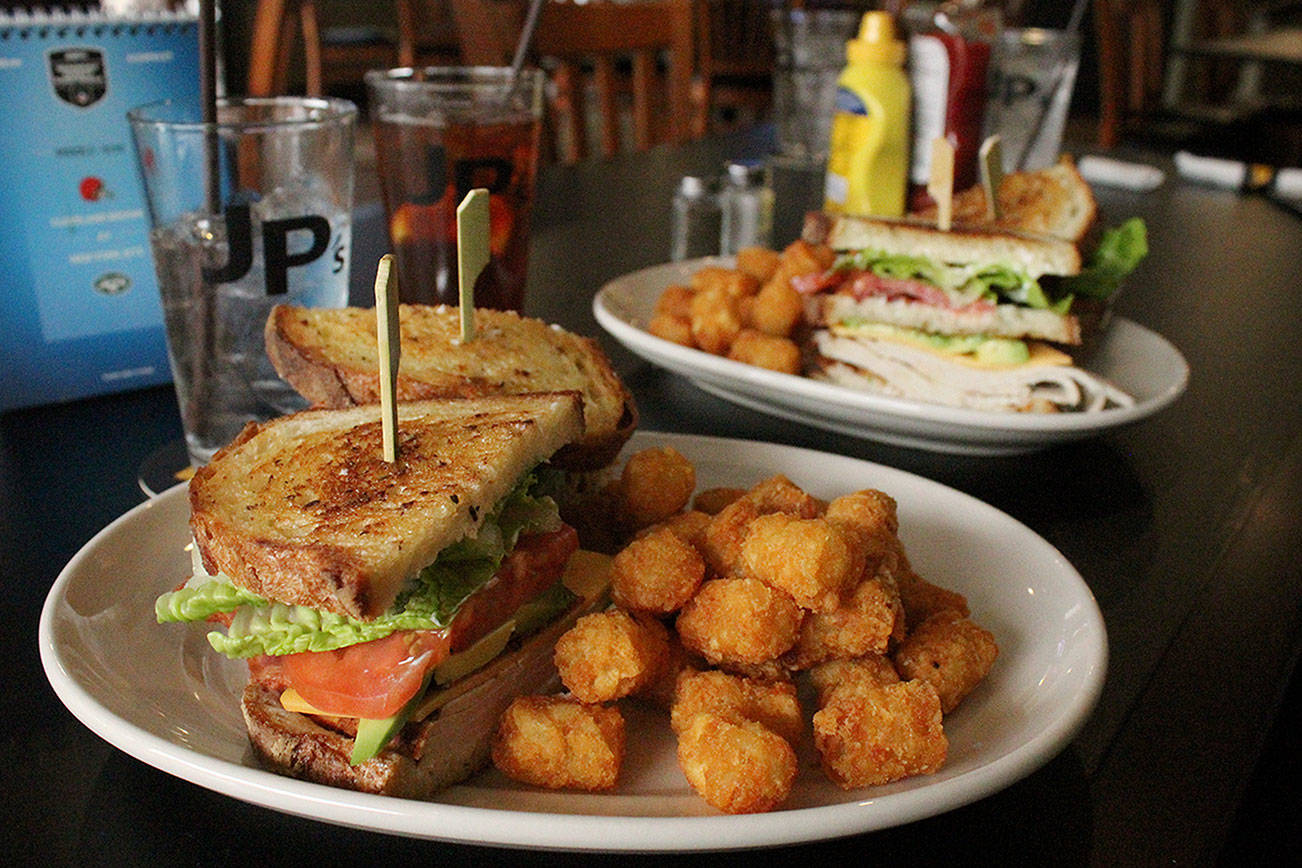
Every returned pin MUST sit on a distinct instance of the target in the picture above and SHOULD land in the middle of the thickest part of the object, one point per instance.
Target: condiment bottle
(867, 165)
(950, 47)
(747, 205)
(696, 219)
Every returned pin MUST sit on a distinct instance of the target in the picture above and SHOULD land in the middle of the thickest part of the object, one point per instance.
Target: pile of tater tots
(750, 313)
(729, 607)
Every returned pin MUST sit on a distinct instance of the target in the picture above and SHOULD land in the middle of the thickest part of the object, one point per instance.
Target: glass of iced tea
(439, 133)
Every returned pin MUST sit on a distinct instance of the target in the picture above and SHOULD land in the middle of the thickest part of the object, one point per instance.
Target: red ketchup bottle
(950, 47)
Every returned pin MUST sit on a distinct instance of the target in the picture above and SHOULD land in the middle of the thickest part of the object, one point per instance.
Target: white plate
(161, 695)
(1139, 361)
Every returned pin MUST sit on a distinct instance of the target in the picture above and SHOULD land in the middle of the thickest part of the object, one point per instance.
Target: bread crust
(304, 510)
(329, 356)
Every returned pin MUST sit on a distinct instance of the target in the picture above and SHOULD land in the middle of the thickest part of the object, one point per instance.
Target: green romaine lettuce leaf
(1120, 251)
(964, 284)
(260, 626)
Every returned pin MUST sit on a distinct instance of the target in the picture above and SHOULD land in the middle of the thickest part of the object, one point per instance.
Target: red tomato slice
(372, 679)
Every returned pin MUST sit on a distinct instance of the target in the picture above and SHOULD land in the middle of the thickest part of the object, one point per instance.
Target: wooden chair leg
(311, 26)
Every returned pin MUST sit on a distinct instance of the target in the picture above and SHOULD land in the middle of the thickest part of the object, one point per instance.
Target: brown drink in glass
(439, 133)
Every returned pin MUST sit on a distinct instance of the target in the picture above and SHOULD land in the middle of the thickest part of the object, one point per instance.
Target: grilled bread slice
(330, 357)
(1039, 255)
(304, 509)
(1054, 201)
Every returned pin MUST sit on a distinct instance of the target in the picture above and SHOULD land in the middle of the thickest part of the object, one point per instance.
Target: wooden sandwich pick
(941, 184)
(991, 157)
(472, 254)
(389, 341)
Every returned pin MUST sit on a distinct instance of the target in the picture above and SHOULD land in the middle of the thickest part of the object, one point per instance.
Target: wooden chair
(1131, 48)
(734, 59)
(634, 52)
(422, 33)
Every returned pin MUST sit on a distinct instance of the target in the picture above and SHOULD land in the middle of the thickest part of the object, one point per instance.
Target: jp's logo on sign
(275, 247)
(78, 75)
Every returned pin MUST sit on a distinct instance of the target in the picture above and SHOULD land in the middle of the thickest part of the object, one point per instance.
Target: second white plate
(1139, 361)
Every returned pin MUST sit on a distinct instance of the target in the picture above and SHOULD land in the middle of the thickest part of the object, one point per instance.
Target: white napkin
(1119, 173)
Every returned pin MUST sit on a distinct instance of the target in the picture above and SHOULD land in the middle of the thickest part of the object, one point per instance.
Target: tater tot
(679, 664)
(742, 620)
(800, 257)
(724, 534)
(778, 309)
(734, 282)
(711, 501)
(716, 320)
(811, 559)
(871, 516)
(655, 484)
(559, 743)
(950, 652)
(780, 494)
(737, 767)
(753, 347)
(851, 674)
(656, 573)
(688, 526)
(880, 734)
(676, 329)
(771, 703)
(676, 300)
(863, 623)
(608, 655)
(922, 599)
(758, 262)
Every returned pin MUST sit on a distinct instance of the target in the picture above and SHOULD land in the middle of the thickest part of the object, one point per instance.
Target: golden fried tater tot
(734, 697)
(778, 309)
(724, 534)
(800, 257)
(559, 743)
(688, 526)
(608, 655)
(880, 734)
(737, 767)
(780, 494)
(950, 652)
(655, 484)
(676, 301)
(753, 347)
(716, 320)
(711, 501)
(871, 516)
(922, 599)
(758, 262)
(863, 623)
(656, 573)
(811, 559)
(679, 664)
(677, 329)
(742, 620)
(851, 674)
(734, 282)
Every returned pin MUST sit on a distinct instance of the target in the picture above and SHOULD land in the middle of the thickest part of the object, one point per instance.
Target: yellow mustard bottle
(868, 158)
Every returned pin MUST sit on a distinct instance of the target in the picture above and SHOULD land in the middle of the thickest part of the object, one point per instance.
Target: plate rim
(982, 428)
(582, 832)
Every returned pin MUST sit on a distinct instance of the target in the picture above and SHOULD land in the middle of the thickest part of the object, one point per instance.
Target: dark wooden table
(1186, 528)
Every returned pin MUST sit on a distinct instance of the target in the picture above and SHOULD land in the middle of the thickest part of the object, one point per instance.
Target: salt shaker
(696, 219)
(747, 206)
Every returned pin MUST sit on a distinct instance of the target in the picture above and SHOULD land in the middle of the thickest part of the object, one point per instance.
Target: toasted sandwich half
(965, 317)
(388, 611)
(329, 356)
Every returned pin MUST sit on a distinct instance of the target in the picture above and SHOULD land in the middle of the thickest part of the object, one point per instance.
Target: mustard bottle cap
(876, 42)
